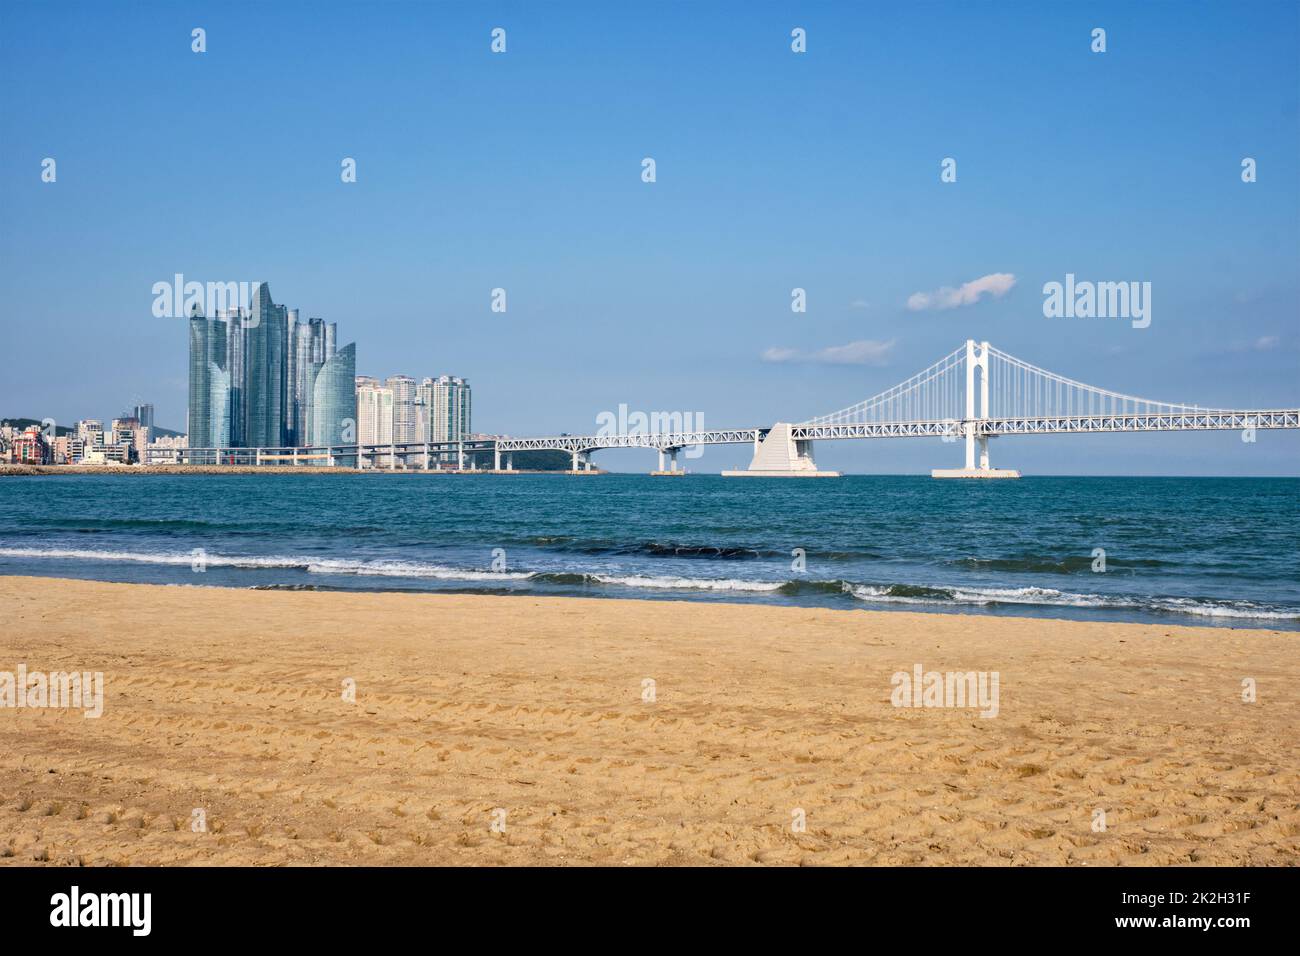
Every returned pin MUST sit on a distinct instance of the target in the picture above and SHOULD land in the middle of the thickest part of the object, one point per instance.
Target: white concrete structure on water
(781, 455)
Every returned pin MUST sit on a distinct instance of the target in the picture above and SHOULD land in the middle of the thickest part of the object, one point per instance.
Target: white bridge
(974, 393)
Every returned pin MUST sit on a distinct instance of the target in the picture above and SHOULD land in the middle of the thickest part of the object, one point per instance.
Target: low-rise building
(31, 448)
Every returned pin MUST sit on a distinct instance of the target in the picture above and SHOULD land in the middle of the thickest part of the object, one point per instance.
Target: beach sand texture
(232, 701)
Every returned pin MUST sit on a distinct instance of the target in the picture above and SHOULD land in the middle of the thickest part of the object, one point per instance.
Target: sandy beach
(521, 730)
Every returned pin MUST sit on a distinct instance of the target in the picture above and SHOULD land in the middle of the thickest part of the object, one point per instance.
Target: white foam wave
(689, 584)
(1051, 597)
(312, 565)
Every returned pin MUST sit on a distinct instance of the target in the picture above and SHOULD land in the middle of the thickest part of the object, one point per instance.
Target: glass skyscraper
(263, 379)
(334, 403)
(311, 343)
(265, 371)
(209, 411)
(144, 415)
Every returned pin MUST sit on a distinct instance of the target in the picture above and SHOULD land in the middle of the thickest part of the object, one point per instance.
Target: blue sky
(775, 170)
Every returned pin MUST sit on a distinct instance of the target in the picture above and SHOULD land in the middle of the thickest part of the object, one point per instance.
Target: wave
(686, 584)
(653, 549)
(1034, 564)
(1051, 597)
(84, 525)
(954, 596)
(673, 549)
(401, 569)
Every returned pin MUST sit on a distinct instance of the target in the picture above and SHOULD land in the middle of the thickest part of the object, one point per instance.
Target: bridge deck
(1216, 420)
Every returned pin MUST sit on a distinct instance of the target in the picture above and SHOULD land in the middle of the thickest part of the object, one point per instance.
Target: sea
(1210, 551)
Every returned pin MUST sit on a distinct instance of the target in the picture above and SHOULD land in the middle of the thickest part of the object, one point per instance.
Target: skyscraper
(290, 408)
(209, 411)
(403, 388)
(143, 413)
(374, 412)
(334, 402)
(309, 352)
(255, 379)
(448, 402)
(265, 370)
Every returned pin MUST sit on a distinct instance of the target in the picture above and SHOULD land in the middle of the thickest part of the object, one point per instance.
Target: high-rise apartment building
(374, 412)
(265, 372)
(448, 406)
(311, 349)
(144, 415)
(209, 407)
(403, 388)
(333, 418)
(254, 379)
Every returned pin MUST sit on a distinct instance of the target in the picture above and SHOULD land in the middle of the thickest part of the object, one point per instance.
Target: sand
(513, 730)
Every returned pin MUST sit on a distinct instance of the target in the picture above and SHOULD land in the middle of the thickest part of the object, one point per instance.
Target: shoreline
(229, 700)
(13, 470)
(1101, 615)
(27, 471)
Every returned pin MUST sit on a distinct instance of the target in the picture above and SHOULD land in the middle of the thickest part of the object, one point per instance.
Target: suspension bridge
(971, 395)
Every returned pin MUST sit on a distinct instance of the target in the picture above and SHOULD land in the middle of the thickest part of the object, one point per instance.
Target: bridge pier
(977, 358)
(781, 456)
(671, 471)
(582, 463)
(972, 470)
(672, 467)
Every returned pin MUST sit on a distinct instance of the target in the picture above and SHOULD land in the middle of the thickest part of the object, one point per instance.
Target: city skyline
(819, 171)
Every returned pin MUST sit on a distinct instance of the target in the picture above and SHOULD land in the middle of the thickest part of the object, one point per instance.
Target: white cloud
(861, 352)
(1266, 342)
(996, 284)
(859, 304)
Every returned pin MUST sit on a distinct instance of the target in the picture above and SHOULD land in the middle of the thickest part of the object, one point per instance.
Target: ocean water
(1215, 551)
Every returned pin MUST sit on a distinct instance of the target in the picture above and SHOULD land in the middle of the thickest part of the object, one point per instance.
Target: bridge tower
(977, 357)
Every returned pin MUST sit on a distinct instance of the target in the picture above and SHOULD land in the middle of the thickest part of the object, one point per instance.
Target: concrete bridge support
(671, 470)
(781, 456)
(977, 357)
